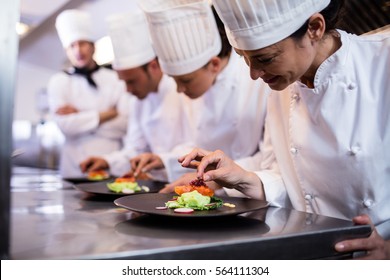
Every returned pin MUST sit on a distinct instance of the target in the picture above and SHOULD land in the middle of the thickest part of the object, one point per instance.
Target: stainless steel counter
(50, 219)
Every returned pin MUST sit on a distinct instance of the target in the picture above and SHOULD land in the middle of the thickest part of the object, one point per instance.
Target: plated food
(142, 176)
(92, 176)
(100, 188)
(98, 175)
(126, 185)
(150, 203)
(192, 197)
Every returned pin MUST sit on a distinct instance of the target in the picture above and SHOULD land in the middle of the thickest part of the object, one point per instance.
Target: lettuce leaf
(119, 187)
(195, 201)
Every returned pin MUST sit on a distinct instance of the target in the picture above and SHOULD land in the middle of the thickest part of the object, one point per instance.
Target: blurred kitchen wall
(37, 140)
(40, 51)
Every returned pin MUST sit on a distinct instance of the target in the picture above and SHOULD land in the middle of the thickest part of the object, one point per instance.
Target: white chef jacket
(156, 126)
(332, 142)
(84, 137)
(229, 116)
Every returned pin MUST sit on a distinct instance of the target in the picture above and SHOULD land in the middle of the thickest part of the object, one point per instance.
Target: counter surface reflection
(50, 219)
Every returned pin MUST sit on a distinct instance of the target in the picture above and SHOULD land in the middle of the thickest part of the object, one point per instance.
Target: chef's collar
(87, 73)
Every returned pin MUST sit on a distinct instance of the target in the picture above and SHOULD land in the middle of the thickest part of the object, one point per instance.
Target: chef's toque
(255, 24)
(130, 40)
(74, 25)
(184, 34)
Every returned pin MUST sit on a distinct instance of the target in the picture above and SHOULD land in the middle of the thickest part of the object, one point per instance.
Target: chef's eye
(246, 60)
(185, 81)
(239, 54)
(266, 60)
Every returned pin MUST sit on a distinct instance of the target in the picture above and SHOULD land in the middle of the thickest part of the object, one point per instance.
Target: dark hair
(332, 15)
(145, 67)
(226, 47)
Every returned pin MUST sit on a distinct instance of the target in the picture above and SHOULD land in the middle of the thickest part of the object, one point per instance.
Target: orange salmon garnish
(98, 174)
(183, 189)
(204, 190)
(125, 180)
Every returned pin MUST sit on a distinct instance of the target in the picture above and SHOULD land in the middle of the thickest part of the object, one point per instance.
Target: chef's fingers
(98, 164)
(65, 110)
(374, 246)
(209, 162)
(128, 174)
(85, 164)
(136, 165)
(93, 164)
(185, 179)
(192, 165)
(133, 163)
(196, 154)
(142, 161)
(154, 162)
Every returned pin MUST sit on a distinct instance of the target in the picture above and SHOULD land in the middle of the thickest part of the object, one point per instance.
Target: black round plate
(147, 203)
(101, 188)
(80, 180)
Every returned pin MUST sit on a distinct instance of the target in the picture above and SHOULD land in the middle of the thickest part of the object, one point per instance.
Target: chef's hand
(184, 180)
(217, 166)
(145, 162)
(93, 164)
(375, 246)
(66, 110)
(140, 176)
(107, 115)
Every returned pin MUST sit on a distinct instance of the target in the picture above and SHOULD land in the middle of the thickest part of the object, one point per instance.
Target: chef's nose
(256, 72)
(180, 87)
(129, 88)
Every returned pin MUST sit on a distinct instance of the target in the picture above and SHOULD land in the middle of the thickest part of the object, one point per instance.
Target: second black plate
(102, 189)
(79, 180)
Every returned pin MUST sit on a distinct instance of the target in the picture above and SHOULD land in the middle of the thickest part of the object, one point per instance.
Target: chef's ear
(316, 27)
(153, 65)
(215, 64)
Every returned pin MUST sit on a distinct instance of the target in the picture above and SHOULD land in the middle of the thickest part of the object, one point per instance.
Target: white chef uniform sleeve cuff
(274, 189)
(118, 162)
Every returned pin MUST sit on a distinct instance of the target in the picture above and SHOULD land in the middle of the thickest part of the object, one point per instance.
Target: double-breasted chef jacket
(84, 137)
(331, 143)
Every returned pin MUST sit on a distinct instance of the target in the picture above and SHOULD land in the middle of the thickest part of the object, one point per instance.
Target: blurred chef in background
(156, 119)
(88, 102)
(228, 108)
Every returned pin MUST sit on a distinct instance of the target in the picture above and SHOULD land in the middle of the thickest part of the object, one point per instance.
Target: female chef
(328, 120)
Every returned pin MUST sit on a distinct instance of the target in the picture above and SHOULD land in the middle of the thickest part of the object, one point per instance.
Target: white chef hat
(255, 24)
(130, 39)
(184, 34)
(74, 25)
